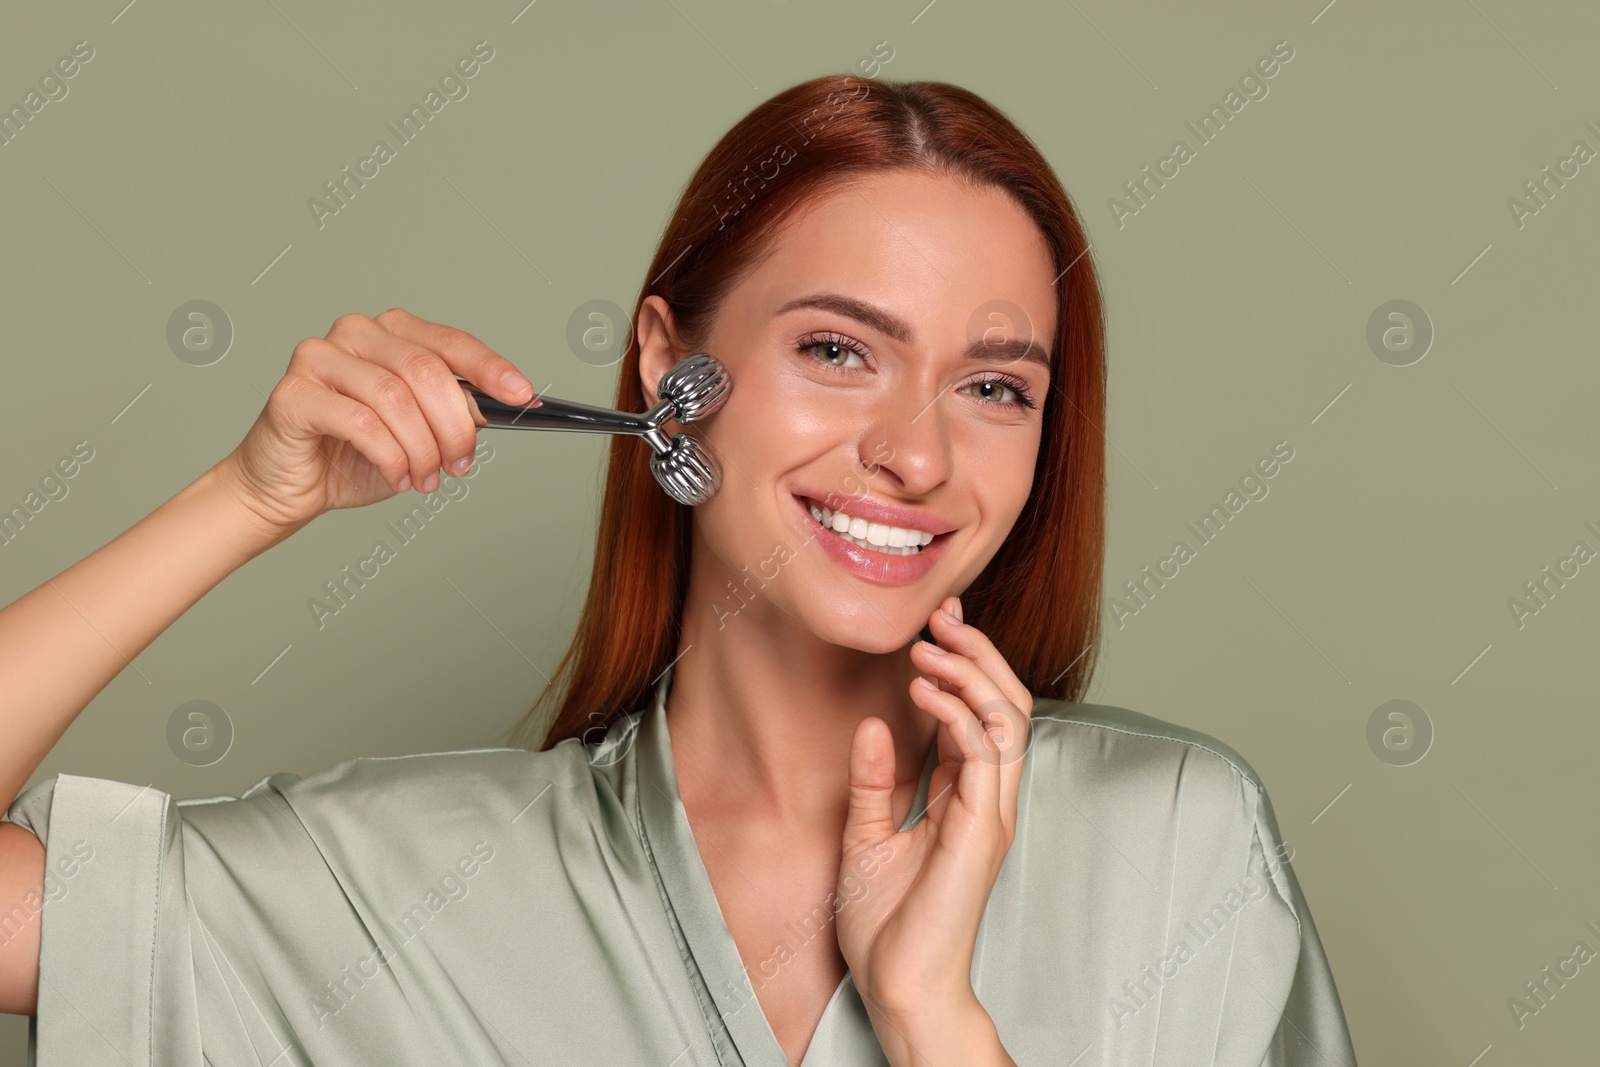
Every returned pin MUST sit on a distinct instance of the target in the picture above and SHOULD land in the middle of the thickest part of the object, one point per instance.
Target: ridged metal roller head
(688, 473)
(696, 387)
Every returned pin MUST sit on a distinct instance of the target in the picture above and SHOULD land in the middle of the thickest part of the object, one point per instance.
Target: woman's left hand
(908, 938)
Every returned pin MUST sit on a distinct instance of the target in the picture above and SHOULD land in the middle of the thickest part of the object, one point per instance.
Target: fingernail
(931, 647)
(431, 482)
(515, 383)
(957, 612)
(405, 483)
(460, 466)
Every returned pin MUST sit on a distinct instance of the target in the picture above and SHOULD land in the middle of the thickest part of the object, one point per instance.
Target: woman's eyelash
(833, 339)
(1017, 385)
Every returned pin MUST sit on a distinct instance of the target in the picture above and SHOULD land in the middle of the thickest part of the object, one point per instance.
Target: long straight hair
(1039, 598)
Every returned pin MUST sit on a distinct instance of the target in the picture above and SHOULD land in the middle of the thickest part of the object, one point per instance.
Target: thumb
(870, 818)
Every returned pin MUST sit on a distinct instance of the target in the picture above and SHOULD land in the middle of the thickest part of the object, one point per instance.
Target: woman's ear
(659, 346)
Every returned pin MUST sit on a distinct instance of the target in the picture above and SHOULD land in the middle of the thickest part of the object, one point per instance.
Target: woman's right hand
(368, 411)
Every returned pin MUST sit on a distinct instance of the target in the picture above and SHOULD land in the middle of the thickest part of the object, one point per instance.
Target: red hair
(1039, 599)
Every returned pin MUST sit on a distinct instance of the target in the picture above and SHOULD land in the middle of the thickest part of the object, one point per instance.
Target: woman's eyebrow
(884, 322)
(891, 325)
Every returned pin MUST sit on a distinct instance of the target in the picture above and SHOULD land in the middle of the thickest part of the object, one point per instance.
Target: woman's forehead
(928, 245)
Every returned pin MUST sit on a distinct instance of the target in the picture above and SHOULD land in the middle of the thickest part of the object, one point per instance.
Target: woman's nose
(908, 438)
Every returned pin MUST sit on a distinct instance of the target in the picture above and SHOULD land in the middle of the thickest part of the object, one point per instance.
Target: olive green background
(1379, 567)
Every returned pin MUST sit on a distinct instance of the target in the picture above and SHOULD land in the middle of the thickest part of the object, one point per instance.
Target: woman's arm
(63, 642)
(371, 410)
(21, 891)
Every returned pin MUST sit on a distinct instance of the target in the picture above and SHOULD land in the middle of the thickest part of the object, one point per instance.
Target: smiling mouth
(871, 536)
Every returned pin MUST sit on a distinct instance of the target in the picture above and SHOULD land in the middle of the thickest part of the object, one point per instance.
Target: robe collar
(734, 1016)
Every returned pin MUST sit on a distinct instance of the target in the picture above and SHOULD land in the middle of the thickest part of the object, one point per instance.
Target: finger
(391, 398)
(979, 776)
(1000, 727)
(314, 409)
(467, 356)
(974, 643)
(431, 386)
(870, 818)
(998, 723)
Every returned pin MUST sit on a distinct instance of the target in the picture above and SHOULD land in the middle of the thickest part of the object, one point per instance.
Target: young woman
(766, 824)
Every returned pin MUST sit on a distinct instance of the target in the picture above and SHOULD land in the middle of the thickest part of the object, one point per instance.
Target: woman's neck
(761, 714)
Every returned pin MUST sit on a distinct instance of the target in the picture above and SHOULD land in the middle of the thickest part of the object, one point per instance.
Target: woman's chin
(876, 635)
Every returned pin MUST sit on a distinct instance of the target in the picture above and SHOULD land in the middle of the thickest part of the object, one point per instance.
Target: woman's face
(857, 354)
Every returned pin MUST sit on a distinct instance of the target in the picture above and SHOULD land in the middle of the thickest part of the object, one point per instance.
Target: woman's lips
(876, 567)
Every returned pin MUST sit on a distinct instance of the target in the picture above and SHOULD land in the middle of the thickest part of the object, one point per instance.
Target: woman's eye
(995, 390)
(992, 391)
(836, 350)
(835, 353)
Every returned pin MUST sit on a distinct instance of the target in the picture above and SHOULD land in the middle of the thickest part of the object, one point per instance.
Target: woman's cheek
(815, 413)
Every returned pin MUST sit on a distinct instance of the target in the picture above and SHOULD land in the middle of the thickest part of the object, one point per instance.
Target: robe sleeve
(195, 932)
(116, 975)
(1281, 1007)
(289, 925)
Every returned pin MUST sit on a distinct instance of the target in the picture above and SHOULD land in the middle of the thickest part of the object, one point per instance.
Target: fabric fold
(114, 951)
(501, 907)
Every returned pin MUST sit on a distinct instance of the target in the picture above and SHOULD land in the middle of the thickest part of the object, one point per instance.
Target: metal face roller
(693, 389)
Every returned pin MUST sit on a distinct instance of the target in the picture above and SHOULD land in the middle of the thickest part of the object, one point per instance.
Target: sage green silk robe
(505, 907)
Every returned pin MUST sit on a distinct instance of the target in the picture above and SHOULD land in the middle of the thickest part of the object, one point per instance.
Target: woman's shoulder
(424, 771)
(1155, 788)
(1106, 743)
(448, 780)
(361, 792)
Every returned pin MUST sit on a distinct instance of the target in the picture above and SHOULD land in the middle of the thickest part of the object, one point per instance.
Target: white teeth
(877, 536)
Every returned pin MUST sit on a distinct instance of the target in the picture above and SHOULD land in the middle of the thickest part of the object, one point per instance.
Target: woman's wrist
(961, 1034)
(223, 490)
